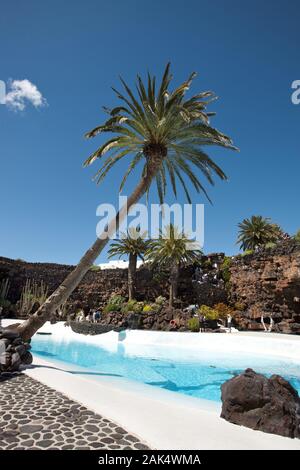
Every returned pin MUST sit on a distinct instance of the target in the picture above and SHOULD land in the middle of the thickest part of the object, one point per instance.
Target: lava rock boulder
(266, 404)
(13, 351)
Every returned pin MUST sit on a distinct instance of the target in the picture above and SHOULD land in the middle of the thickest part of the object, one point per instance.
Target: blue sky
(247, 52)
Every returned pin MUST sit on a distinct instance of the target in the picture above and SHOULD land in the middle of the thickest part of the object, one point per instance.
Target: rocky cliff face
(96, 287)
(268, 283)
(265, 283)
(265, 404)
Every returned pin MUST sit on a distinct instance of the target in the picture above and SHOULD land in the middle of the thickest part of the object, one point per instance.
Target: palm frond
(172, 246)
(257, 232)
(134, 242)
(161, 124)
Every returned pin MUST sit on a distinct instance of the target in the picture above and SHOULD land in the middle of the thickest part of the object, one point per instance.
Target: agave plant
(173, 249)
(133, 244)
(165, 132)
(257, 232)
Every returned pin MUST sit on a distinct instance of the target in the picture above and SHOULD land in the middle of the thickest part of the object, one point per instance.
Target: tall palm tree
(256, 232)
(172, 250)
(133, 245)
(161, 129)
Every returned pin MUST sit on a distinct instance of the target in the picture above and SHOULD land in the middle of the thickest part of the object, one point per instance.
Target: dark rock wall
(96, 287)
(165, 320)
(268, 283)
(18, 271)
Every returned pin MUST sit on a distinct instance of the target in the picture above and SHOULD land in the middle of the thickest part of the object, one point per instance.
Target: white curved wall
(189, 345)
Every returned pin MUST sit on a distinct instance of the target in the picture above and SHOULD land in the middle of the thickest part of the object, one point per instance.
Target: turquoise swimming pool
(199, 377)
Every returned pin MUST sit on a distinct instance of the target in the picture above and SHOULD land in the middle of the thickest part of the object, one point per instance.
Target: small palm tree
(133, 245)
(279, 233)
(165, 132)
(257, 232)
(297, 236)
(172, 250)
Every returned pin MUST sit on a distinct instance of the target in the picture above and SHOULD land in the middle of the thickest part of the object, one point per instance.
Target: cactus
(4, 288)
(33, 292)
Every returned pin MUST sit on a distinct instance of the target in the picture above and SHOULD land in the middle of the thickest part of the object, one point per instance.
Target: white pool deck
(161, 418)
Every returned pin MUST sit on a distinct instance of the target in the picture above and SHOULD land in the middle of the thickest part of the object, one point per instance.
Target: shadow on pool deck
(74, 372)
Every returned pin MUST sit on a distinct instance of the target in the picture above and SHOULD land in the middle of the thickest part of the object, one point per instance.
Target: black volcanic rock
(13, 351)
(270, 405)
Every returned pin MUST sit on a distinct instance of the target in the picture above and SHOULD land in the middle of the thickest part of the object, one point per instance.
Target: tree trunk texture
(132, 276)
(174, 275)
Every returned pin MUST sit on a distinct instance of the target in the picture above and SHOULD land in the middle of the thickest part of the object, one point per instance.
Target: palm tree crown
(257, 232)
(132, 243)
(172, 247)
(161, 128)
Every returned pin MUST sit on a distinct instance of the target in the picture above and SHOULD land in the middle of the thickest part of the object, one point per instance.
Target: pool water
(200, 377)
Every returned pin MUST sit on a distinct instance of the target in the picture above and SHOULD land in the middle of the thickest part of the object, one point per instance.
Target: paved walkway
(34, 416)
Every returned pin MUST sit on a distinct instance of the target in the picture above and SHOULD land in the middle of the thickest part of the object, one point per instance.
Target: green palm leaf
(163, 126)
(132, 243)
(172, 247)
(257, 232)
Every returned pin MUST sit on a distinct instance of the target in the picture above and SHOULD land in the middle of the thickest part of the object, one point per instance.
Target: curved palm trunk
(61, 294)
(174, 276)
(132, 276)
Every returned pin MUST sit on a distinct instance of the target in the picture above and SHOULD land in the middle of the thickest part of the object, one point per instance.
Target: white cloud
(23, 92)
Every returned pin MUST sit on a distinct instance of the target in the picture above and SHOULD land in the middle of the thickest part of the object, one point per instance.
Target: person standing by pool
(201, 323)
(229, 321)
(80, 315)
(96, 316)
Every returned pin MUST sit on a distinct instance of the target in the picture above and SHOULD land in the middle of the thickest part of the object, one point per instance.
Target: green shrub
(240, 306)
(95, 268)
(194, 324)
(138, 308)
(225, 269)
(270, 245)
(207, 264)
(297, 236)
(247, 252)
(132, 306)
(115, 304)
(147, 308)
(110, 308)
(117, 300)
(129, 306)
(223, 310)
(160, 300)
(209, 313)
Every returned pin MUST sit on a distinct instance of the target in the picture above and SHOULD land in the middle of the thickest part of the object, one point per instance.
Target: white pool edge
(266, 344)
(160, 418)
